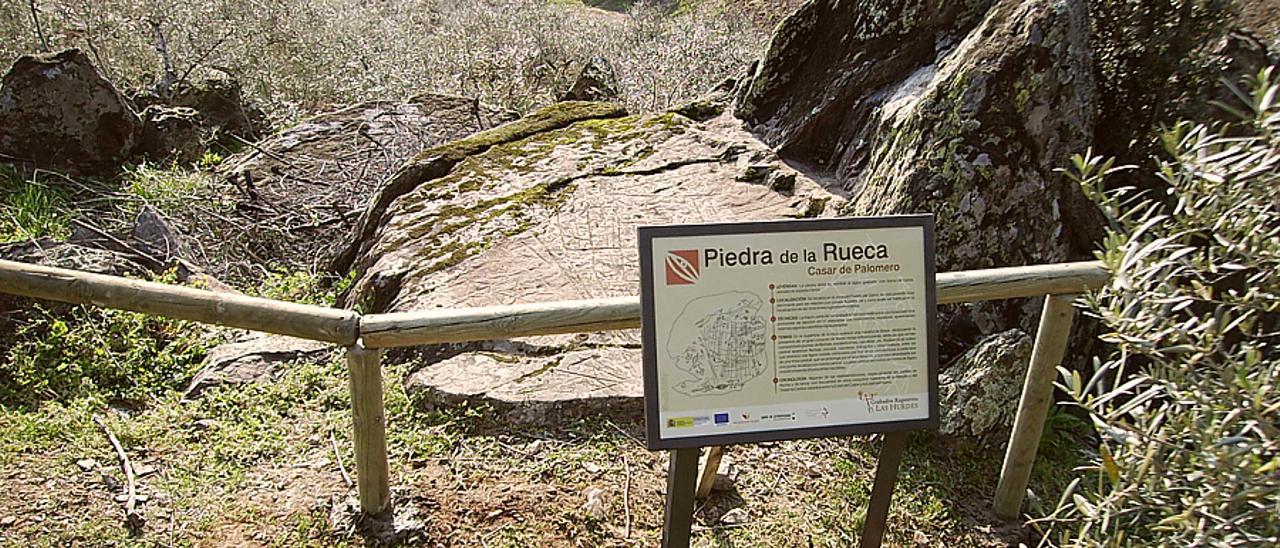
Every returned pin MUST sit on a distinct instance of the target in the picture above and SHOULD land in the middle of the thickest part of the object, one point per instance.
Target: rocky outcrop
(58, 112)
(962, 109)
(980, 390)
(305, 188)
(545, 209)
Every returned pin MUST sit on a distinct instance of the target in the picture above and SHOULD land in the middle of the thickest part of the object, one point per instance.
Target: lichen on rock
(963, 110)
(58, 112)
(980, 390)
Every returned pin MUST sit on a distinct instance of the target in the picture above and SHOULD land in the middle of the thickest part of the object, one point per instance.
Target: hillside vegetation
(300, 56)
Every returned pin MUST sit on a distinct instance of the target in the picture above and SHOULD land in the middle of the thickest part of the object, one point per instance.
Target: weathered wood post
(364, 368)
(1037, 396)
(707, 477)
(682, 478)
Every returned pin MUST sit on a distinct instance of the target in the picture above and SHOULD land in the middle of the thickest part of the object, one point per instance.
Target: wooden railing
(365, 336)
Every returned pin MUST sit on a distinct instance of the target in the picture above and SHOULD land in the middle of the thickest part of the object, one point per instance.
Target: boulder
(979, 391)
(58, 112)
(545, 209)
(256, 359)
(962, 109)
(172, 134)
(596, 82)
(221, 107)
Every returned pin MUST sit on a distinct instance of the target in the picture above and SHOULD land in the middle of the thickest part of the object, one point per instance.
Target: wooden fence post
(1037, 396)
(364, 368)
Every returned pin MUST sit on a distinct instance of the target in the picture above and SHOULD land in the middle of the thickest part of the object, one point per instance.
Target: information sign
(779, 330)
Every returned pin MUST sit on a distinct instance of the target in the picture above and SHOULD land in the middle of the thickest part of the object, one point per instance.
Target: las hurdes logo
(682, 267)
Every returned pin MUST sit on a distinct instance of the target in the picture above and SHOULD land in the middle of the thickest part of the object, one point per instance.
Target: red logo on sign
(682, 267)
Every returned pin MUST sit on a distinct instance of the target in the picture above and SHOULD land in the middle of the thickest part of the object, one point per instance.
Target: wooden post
(1037, 396)
(707, 479)
(682, 477)
(364, 367)
(891, 450)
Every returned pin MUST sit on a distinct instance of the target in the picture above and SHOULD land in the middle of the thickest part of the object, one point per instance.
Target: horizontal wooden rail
(524, 320)
(498, 322)
(184, 303)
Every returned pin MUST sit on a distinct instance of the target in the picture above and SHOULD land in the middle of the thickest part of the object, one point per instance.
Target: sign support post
(891, 450)
(682, 477)
(770, 331)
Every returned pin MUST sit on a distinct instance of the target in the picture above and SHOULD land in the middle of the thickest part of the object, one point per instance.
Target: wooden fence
(364, 337)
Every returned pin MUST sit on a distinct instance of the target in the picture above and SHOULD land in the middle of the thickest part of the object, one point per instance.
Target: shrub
(120, 357)
(1187, 406)
(297, 56)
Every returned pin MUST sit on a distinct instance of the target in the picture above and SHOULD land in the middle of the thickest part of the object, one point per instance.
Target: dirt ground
(474, 481)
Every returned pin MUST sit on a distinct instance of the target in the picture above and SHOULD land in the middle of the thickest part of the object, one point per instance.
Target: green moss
(546, 119)
(444, 249)
(814, 208)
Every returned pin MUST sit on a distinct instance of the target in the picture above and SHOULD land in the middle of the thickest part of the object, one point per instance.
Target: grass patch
(30, 208)
(163, 187)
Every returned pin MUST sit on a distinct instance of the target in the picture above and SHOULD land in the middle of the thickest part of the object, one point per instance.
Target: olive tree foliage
(1187, 407)
(298, 56)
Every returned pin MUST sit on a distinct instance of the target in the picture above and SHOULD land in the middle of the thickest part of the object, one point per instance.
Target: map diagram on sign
(719, 340)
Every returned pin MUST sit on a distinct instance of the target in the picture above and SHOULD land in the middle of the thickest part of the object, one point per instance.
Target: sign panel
(789, 329)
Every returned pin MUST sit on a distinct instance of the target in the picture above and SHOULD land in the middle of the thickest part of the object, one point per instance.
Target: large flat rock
(552, 215)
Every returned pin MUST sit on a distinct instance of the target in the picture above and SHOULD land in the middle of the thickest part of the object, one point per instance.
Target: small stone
(7, 521)
(204, 424)
(87, 465)
(143, 470)
(595, 506)
(591, 467)
(736, 516)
